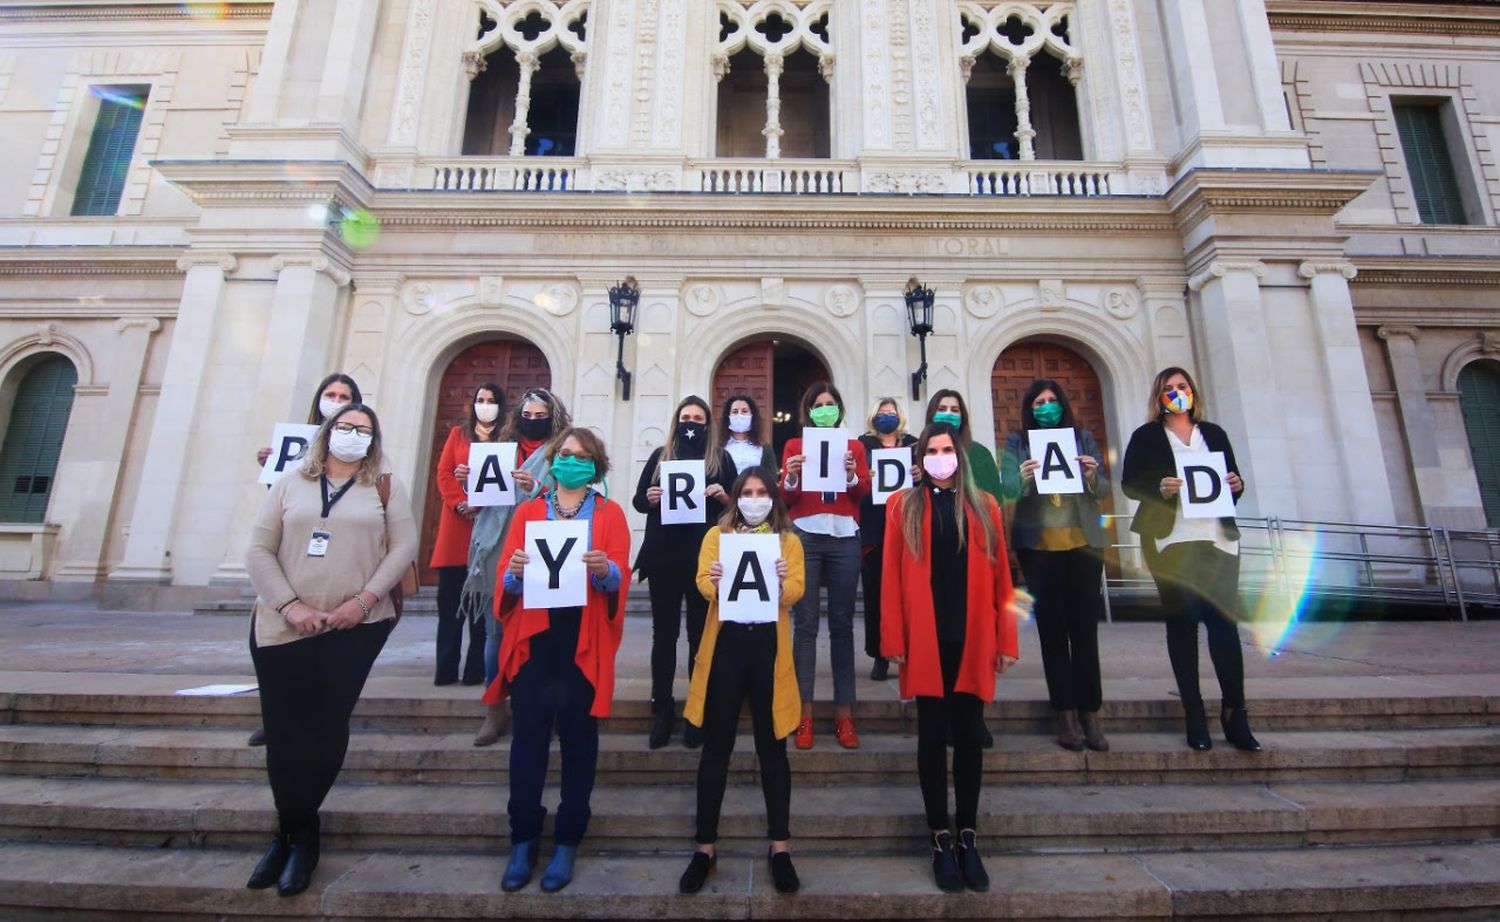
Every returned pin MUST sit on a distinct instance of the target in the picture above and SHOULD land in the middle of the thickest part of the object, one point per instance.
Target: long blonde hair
(711, 452)
(971, 499)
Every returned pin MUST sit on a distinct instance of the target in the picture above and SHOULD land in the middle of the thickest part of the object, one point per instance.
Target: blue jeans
(492, 634)
(834, 562)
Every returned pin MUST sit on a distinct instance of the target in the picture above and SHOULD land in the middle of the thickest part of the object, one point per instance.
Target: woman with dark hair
(557, 665)
(828, 525)
(884, 428)
(948, 406)
(450, 552)
(1195, 562)
(1060, 542)
(744, 434)
(738, 661)
(669, 553)
(948, 620)
(328, 545)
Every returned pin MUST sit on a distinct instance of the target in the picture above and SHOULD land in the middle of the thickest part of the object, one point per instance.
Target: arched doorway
(775, 372)
(513, 364)
(34, 436)
(1479, 397)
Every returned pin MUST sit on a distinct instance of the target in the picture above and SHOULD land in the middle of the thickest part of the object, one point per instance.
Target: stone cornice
(1468, 273)
(236, 182)
(1205, 192)
(43, 262)
(1447, 19)
(153, 10)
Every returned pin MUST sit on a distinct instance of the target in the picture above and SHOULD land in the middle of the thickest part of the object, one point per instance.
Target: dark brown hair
(591, 443)
(757, 431)
(964, 429)
(1157, 411)
(315, 415)
(780, 519)
(1028, 419)
(471, 427)
(816, 390)
(970, 498)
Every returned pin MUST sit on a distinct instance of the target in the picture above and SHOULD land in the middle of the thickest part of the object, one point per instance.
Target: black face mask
(692, 440)
(536, 429)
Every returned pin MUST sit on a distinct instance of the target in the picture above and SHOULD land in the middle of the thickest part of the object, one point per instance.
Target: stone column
(1417, 422)
(518, 127)
(147, 552)
(772, 131)
(345, 70)
(265, 97)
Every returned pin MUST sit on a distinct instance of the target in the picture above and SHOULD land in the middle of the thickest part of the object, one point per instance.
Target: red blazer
(603, 616)
(908, 625)
(801, 504)
(451, 549)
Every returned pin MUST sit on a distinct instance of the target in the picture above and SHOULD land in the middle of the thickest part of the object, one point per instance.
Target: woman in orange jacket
(947, 620)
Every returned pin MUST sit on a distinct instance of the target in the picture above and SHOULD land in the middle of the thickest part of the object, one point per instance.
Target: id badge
(317, 546)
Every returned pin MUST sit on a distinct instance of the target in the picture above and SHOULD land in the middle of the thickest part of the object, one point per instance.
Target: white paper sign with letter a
(1205, 486)
(682, 501)
(823, 467)
(749, 590)
(490, 464)
(555, 576)
(1057, 450)
(288, 446)
(890, 473)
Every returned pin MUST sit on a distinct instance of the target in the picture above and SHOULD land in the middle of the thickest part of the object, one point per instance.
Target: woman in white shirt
(744, 435)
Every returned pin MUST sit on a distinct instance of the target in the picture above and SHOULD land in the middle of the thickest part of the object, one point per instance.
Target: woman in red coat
(948, 621)
(450, 553)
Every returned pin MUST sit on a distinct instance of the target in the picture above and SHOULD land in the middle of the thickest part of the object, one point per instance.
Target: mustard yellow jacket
(786, 701)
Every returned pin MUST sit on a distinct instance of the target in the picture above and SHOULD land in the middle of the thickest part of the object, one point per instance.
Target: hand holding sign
(555, 575)
(682, 500)
(1056, 450)
(749, 589)
(890, 472)
(1205, 487)
(824, 470)
(288, 445)
(489, 484)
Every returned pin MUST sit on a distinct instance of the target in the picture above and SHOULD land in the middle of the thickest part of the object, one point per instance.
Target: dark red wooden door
(746, 370)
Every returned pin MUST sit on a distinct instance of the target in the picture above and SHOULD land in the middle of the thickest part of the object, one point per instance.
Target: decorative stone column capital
(1489, 343)
(1220, 268)
(225, 262)
(474, 63)
(149, 324)
(775, 64)
(1313, 267)
(825, 65)
(1393, 331)
(720, 62)
(315, 262)
(1017, 66)
(966, 66)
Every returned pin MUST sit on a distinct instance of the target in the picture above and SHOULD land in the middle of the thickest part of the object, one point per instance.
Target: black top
(871, 516)
(950, 570)
(675, 547)
(1149, 458)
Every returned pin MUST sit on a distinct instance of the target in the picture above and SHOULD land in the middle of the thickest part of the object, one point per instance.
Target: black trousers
(308, 689)
(744, 666)
(869, 574)
(669, 587)
(964, 713)
(1065, 589)
(1198, 582)
(450, 632)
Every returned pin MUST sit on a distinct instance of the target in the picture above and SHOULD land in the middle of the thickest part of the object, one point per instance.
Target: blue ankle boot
(560, 872)
(522, 863)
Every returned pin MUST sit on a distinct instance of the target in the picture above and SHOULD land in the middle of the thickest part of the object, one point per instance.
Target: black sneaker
(698, 869)
(783, 875)
(945, 864)
(967, 851)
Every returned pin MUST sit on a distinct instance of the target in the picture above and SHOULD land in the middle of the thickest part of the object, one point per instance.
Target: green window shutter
(1479, 396)
(1429, 164)
(33, 440)
(111, 146)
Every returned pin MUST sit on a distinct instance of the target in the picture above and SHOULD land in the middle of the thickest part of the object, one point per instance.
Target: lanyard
(330, 501)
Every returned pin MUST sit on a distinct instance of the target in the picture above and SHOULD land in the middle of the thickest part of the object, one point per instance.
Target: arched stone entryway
(774, 371)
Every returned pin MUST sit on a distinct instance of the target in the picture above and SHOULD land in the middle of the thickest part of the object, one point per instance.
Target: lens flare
(116, 95)
(1279, 609)
(359, 228)
(206, 10)
(1022, 603)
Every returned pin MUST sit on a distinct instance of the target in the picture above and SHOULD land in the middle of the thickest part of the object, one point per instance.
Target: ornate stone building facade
(428, 193)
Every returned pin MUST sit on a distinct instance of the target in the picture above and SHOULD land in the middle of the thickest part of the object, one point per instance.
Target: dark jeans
(834, 562)
(669, 587)
(964, 713)
(451, 628)
(1065, 587)
(870, 566)
(308, 689)
(744, 666)
(1198, 582)
(551, 690)
(493, 634)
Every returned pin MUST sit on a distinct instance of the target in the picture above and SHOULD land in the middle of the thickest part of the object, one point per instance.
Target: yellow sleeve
(708, 552)
(796, 574)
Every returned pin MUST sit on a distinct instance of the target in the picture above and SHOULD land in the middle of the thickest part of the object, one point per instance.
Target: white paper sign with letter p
(823, 467)
(490, 464)
(682, 500)
(890, 472)
(555, 576)
(1205, 486)
(288, 446)
(1057, 450)
(749, 591)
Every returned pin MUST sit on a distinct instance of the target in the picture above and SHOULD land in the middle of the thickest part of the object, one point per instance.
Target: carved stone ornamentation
(984, 301)
(1120, 303)
(419, 298)
(703, 299)
(1489, 343)
(1050, 293)
(906, 182)
(773, 293)
(841, 300)
(491, 290)
(558, 300)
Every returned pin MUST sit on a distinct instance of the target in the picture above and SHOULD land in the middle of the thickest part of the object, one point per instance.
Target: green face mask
(825, 417)
(572, 473)
(1048, 414)
(952, 419)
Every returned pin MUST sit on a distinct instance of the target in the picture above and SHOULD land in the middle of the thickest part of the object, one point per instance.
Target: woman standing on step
(670, 552)
(1060, 541)
(557, 665)
(329, 544)
(739, 660)
(948, 620)
(1195, 562)
(884, 428)
(744, 434)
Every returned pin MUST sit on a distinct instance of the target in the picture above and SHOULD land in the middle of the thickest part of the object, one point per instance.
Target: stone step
(1413, 882)
(1135, 758)
(861, 819)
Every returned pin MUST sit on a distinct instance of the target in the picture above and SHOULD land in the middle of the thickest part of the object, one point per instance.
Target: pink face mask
(940, 467)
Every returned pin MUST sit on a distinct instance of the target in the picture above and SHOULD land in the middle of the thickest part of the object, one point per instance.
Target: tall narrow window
(742, 107)
(524, 100)
(33, 439)
(773, 70)
(111, 145)
(1021, 75)
(991, 96)
(1479, 396)
(1429, 162)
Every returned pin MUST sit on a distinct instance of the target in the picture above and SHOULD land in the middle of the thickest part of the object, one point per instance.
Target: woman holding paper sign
(669, 554)
(947, 406)
(744, 434)
(450, 552)
(1195, 561)
(738, 660)
(949, 621)
(885, 428)
(1060, 542)
(557, 665)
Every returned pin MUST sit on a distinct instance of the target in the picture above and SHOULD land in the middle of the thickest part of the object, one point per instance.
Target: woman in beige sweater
(325, 552)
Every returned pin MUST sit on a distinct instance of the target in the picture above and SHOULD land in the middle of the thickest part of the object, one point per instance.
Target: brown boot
(1093, 734)
(496, 724)
(1069, 734)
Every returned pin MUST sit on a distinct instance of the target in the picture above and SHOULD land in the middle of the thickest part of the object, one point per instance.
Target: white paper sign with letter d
(1057, 450)
(682, 501)
(823, 469)
(890, 472)
(490, 464)
(1205, 486)
(288, 445)
(749, 591)
(555, 576)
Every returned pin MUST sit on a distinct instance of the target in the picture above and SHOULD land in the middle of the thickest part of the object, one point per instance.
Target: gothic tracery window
(526, 68)
(1021, 71)
(773, 64)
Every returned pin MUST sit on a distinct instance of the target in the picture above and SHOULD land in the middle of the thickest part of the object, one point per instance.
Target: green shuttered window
(1479, 395)
(1429, 163)
(33, 439)
(111, 146)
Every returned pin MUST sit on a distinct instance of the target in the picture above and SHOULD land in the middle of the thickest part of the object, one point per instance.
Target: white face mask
(754, 509)
(329, 407)
(487, 412)
(740, 423)
(349, 446)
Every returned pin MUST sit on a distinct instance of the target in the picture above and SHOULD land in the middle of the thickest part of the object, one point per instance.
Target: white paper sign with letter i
(288, 446)
(823, 451)
(682, 501)
(1057, 450)
(1205, 486)
(490, 464)
(890, 473)
(749, 590)
(555, 576)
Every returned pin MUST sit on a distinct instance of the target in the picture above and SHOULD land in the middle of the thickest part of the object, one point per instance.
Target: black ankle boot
(1236, 724)
(661, 724)
(301, 861)
(692, 737)
(1197, 726)
(967, 852)
(271, 864)
(945, 864)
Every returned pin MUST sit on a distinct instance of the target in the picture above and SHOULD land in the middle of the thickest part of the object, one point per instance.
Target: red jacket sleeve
(455, 452)
(792, 450)
(505, 603)
(614, 538)
(893, 625)
(861, 487)
(1006, 641)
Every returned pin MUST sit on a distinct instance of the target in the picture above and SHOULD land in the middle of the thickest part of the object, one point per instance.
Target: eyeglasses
(346, 428)
(568, 454)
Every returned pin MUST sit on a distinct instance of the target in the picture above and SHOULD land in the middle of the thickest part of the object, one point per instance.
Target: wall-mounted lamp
(623, 299)
(919, 312)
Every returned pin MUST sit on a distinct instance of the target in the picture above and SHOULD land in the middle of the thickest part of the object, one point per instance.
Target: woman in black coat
(1195, 562)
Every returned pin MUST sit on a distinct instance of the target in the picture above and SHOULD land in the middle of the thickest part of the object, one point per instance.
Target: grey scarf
(490, 526)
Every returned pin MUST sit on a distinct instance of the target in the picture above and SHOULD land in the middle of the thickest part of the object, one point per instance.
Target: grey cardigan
(1025, 529)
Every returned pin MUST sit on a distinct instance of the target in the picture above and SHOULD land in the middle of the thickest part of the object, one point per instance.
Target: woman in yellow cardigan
(754, 661)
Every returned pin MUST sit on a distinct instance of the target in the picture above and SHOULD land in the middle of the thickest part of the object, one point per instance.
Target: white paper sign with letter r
(682, 501)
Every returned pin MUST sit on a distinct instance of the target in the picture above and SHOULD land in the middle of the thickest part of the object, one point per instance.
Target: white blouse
(1184, 530)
